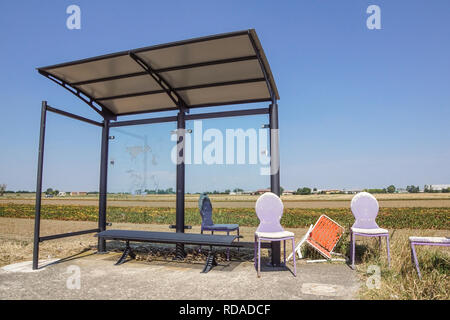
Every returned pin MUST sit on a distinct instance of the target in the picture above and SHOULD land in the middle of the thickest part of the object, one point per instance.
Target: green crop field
(393, 218)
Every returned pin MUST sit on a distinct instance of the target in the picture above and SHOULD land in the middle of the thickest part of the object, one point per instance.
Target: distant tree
(446, 190)
(304, 191)
(227, 191)
(375, 190)
(412, 189)
(49, 191)
(315, 189)
(238, 190)
(2, 189)
(390, 189)
(281, 190)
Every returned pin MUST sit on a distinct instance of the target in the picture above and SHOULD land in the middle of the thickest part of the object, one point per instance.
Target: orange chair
(323, 237)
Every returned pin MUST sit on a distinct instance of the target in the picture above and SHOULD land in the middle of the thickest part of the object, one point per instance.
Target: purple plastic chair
(425, 241)
(269, 210)
(365, 209)
(208, 224)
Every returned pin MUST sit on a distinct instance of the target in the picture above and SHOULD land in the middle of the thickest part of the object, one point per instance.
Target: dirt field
(430, 200)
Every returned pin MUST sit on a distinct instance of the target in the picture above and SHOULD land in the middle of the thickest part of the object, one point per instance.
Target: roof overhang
(216, 70)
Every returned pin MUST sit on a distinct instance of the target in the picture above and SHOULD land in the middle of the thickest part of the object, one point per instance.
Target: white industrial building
(438, 187)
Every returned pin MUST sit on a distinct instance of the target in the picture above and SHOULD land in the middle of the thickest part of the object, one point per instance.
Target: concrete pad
(94, 276)
(27, 266)
(323, 289)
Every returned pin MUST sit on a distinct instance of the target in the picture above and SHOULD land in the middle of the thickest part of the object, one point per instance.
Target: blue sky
(359, 107)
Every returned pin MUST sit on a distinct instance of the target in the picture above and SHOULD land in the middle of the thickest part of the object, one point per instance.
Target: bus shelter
(217, 70)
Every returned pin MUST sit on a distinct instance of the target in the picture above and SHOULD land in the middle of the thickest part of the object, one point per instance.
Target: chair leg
(259, 258)
(388, 251)
(352, 240)
(284, 251)
(254, 252)
(293, 250)
(238, 238)
(200, 247)
(350, 249)
(414, 259)
(228, 249)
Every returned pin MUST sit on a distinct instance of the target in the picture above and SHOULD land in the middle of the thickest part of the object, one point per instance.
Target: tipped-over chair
(323, 237)
(269, 210)
(205, 207)
(365, 209)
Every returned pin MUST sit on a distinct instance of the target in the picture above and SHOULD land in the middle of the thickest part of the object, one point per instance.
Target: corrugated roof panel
(214, 70)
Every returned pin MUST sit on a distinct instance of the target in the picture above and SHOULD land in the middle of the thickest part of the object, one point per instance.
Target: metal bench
(169, 237)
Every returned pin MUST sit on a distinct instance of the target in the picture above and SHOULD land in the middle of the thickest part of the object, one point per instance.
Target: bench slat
(167, 237)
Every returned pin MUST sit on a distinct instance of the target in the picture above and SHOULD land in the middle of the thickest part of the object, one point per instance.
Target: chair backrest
(205, 208)
(365, 209)
(269, 210)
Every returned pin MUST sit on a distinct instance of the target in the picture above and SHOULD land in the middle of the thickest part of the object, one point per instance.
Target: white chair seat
(370, 231)
(430, 239)
(274, 235)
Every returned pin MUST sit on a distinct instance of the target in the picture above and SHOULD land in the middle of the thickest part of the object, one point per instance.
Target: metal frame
(257, 252)
(161, 70)
(104, 112)
(37, 221)
(414, 243)
(168, 89)
(369, 235)
(181, 119)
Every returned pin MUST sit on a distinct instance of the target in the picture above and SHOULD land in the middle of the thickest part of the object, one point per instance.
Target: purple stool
(365, 209)
(269, 210)
(426, 241)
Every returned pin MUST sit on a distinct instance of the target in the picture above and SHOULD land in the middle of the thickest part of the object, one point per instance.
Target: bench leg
(127, 252)
(210, 261)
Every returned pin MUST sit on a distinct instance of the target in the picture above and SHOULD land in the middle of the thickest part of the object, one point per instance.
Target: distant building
(438, 187)
(61, 194)
(332, 191)
(352, 191)
(261, 191)
(78, 193)
(288, 192)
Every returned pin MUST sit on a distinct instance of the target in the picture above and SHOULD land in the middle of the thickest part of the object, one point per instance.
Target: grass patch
(400, 281)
